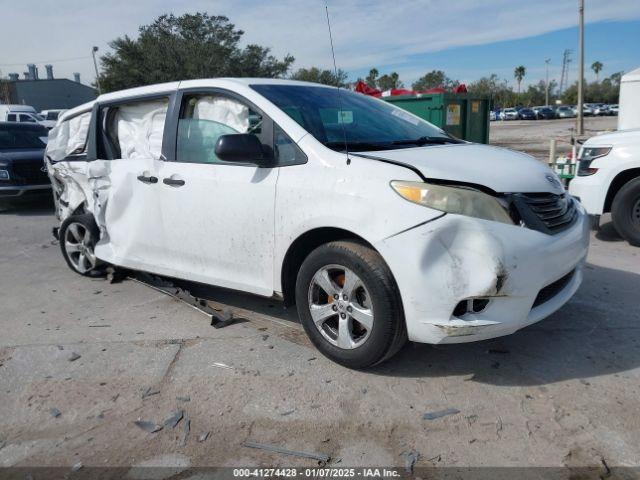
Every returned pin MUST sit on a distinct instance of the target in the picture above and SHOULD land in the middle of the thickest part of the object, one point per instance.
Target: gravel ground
(533, 136)
(563, 392)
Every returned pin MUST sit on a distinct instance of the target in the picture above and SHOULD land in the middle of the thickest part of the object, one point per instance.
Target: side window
(285, 150)
(204, 118)
(69, 137)
(11, 117)
(27, 118)
(134, 130)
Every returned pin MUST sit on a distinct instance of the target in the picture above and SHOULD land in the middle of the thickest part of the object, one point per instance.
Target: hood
(8, 157)
(501, 170)
(619, 137)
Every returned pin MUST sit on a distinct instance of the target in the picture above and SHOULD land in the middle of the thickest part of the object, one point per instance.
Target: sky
(467, 39)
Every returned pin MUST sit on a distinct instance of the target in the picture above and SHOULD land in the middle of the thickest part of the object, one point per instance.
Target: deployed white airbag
(139, 128)
(223, 110)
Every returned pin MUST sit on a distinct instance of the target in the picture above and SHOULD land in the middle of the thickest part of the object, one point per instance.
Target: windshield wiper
(358, 146)
(427, 141)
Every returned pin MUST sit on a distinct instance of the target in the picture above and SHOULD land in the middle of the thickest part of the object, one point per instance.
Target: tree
(501, 93)
(597, 68)
(372, 78)
(387, 82)
(190, 46)
(519, 73)
(433, 79)
(326, 77)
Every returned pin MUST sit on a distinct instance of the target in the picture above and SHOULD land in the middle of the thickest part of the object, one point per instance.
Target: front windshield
(367, 123)
(21, 138)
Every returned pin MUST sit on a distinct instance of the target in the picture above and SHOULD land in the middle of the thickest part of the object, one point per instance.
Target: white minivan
(378, 225)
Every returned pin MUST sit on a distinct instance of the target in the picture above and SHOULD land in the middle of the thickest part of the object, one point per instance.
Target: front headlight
(459, 200)
(591, 153)
(4, 175)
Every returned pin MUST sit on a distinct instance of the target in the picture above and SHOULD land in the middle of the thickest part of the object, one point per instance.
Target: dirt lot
(563, 392)
(532, 136)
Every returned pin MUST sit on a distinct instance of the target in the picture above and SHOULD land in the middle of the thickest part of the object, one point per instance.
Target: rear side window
(135, 130)
(69, 137)
(20, 138)
(11, 117)
(204, 118)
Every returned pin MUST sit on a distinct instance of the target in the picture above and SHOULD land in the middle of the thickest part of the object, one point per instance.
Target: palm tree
(519, 74)
(597, 67)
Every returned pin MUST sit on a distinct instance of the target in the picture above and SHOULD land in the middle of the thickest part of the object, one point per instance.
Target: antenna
(335, 71)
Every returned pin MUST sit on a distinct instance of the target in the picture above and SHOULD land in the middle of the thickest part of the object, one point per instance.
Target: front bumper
(454, 258)
(17, 192)
(591, 190)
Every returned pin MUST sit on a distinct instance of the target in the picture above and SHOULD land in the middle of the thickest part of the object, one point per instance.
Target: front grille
(29, 173)
(551, 290)
(546, 212)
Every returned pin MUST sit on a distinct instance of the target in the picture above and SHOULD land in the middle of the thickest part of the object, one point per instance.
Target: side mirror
(241, 148)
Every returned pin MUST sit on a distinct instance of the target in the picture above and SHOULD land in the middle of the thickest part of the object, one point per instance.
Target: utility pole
(95, 65)
(580, 118)
(546, 83)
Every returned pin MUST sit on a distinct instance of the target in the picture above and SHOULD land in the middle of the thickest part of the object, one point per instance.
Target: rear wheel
(78, 237)
(625, 212)
(349, 304)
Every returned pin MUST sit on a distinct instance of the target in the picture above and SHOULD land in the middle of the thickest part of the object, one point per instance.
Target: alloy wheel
(79, 247)
(340, 306)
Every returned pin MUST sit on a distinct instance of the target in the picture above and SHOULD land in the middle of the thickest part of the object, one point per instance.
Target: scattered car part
(440, 413)
(322, 458)
(147, 426)
(173, 419)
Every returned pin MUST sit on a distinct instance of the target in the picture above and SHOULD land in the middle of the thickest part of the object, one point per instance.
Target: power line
(44, 61)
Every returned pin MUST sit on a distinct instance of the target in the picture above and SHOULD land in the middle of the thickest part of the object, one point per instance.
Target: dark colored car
(22, 170)
(527, 114)
(546, 113)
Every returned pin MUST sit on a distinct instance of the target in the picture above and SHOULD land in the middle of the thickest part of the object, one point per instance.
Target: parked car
(613, 109)
(586, 110)
(565, 112)
(546, 113)
(51, 115)
(22, 170)
(493, 115)
(609, 181)
(23, 114)
(341, 203)
(527, 114)
(509, 114)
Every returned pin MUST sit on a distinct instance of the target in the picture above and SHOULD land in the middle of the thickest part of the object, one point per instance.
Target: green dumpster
(463, 115)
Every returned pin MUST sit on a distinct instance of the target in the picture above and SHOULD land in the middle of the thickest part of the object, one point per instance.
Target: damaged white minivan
(378, 225)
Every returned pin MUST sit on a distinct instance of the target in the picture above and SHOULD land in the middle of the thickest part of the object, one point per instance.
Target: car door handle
(145, 179)
(174, 182)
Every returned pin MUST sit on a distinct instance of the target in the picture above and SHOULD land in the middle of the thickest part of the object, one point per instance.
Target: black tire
(625, 212)
(88, 223)
(388, 333)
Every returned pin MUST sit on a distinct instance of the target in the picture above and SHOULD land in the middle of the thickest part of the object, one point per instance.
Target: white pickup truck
(609, 181)
(609, 175)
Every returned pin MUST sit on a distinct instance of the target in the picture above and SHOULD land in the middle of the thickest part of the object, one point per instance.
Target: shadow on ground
(40, 206)
(595, 334)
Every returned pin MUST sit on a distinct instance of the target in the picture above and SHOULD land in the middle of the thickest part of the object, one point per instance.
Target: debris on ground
(320, 457)
(55, 413)
(186, 428)
(185, 398)
(173, 419)
(218, 318)
(76, 466)
(116, 275)
(203, 437)
(149, 392)
(288, 412)
(150, 427)
(74, 356)
(221, 365)
(410, 459)
(440, 413)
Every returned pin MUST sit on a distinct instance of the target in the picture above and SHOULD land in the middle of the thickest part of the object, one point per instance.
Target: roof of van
(632, 76)
(166, 87)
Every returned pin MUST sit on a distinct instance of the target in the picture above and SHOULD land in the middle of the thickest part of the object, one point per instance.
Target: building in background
(45, 93)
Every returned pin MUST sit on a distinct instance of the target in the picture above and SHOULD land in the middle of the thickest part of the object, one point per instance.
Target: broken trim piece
(320, 457)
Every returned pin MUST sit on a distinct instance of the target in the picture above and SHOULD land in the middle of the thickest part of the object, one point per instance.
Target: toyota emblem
(553, 181)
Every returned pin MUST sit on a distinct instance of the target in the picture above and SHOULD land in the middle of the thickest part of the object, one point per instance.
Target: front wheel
(625, 212)
(349, 304)
(78, 237)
